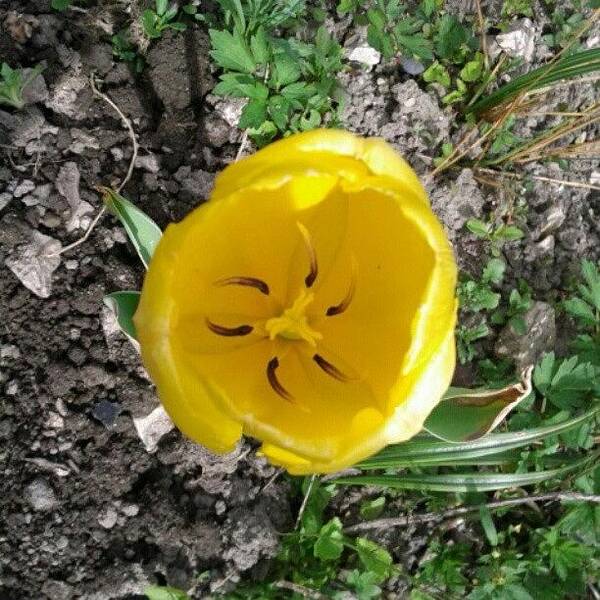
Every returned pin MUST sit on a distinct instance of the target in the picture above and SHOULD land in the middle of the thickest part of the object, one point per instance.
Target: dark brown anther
(330, 369)
(258, 284)
(229, 331)
(338, 309)
(272, 366)
(312, 257)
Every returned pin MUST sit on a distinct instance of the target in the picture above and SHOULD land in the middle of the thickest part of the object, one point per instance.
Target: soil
(86, 510)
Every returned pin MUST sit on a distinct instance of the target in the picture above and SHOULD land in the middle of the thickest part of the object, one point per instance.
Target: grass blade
(567, 67)
(468, 482)
(427, 451)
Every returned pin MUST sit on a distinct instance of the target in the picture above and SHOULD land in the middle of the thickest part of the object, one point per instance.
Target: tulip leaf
(469, 482)
(124, 304)
(143, 232)
(492, 449)
(465, 414)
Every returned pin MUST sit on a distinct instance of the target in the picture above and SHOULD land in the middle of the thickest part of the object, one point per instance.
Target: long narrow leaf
(468, 482)
(143, 232)
(124, 304)
(424, 451)
(568, 67)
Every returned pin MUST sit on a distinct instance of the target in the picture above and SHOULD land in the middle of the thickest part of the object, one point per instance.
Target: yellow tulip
(310, 303)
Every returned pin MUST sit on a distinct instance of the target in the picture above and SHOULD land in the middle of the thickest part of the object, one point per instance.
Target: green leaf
(371, 509)
(161, 6)
(508, 233)
(472, 71)
(149, 21)
(465, 414)
(436, 72)
(240, 85)
(142, 231)
(260, 46)
(592, 277)
(469, 482)
(479, 228)
(311, 121)
(493, 271)
(230, 51)
(330, 543)
(485, 516)
(428, 7)
(449, 36)
(286, 69)
(60, 4)
(300, 91)
(124, 304)
(253, 114)
(156, 592)
(581, 310)
(416, 45)
(428, 451)
(374, 558)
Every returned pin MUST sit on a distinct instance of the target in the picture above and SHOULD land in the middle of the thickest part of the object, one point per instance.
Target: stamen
(229, 331)
(338, 309)
(330, 369)
(272, 366)
(254, 282)
(312, 256)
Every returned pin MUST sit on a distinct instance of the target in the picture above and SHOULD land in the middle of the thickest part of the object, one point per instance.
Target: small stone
(365, 55)
(71, 264)
(33, 263)
(148, 162)
(594, 180)
(117, 153)
(12, 389)
(5, 198)
(106, 412)
(40, 496)
(9, 351)
(130, 510)
(67, 184)
(411, 66)
(519, 41)
(552, 220)
(153, 427)
(108, 518)
(23, 188)
(539, 336)
(55, 421)
(217, 130)
(220, 507)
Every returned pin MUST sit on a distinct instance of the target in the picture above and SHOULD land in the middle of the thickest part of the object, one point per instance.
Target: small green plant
(496, 234)
(519, 302)
(124, 50)
(517, 7)
(61, 5)
(159, 592)
(290, 83)
(163, 17)
(13, 82)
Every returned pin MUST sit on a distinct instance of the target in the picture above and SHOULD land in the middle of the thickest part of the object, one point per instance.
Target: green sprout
(13, 82)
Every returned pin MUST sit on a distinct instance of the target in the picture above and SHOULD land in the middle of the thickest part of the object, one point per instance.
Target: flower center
(293, 323)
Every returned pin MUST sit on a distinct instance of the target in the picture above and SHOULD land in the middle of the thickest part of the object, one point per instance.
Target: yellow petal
(322, 151)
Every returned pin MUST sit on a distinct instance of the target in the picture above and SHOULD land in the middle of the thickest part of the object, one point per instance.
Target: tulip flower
(310, 303)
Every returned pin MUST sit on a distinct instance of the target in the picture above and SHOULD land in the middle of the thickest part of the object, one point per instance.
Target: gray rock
(217, 130)
(36, 90)
(23, 188)
(40, 496)
(411, 66)
(153, 427)
(34, 262)
(67, 184)
(108, 518)
(106, 412)
(540, 337)
(148, 162)
(456, 202)
(5, 198)
(519, 41)
(57, 590)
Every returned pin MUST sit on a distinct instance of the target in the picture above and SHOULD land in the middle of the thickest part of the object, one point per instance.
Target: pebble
(23, 188)
(40, 496)
(106, 412)
(130, 510)
(108, 518)
(153, 427)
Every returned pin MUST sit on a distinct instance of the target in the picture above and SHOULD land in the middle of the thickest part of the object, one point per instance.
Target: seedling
(13, 82)
(154, 22)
